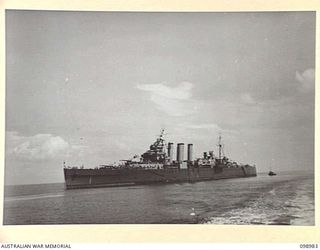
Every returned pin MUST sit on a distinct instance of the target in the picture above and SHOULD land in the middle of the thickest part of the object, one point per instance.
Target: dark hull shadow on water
(286, 199)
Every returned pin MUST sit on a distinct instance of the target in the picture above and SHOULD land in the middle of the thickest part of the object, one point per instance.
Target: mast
(161, 133)
(220, 147)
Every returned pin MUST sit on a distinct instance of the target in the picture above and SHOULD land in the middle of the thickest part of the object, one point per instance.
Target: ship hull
(93, 178)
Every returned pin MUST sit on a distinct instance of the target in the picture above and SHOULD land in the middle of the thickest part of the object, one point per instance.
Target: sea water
(284, 199)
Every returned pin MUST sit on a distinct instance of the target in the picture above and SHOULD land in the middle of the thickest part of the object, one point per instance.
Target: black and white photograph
(122, 117)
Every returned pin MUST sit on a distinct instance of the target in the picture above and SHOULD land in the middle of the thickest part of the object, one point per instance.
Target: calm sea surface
(285, 199)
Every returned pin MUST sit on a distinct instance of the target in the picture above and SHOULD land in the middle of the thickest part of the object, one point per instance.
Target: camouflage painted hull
(92, 178)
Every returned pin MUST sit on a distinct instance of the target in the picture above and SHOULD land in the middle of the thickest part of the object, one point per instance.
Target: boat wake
(279, 206)
(32, 197)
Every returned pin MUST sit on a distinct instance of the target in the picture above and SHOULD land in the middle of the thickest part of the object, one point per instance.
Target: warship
(157, 165)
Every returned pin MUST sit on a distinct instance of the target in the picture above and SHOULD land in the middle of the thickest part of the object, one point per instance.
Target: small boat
(271, 173)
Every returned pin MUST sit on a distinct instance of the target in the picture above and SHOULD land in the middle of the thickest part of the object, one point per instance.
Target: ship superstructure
(157, 165)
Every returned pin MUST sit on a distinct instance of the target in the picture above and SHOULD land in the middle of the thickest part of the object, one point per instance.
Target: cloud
(306, 79)
(175, 101)
(210, 126)
(248, 99)
(37, 147)
(180, 92)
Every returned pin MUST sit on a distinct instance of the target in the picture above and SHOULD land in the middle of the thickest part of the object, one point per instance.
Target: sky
(92, 88)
